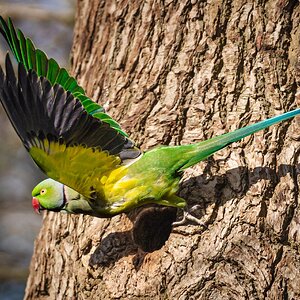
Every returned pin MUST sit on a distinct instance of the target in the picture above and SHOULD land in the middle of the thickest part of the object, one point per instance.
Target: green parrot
(94, 167)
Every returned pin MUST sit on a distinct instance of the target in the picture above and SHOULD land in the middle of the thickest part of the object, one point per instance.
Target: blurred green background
(49, 23)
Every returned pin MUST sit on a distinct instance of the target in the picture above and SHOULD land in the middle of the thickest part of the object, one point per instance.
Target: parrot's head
(49, 195)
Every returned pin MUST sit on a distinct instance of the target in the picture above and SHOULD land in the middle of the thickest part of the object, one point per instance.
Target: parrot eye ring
(43, 192)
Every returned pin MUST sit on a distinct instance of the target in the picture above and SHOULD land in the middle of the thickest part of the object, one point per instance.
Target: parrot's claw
(187, 217)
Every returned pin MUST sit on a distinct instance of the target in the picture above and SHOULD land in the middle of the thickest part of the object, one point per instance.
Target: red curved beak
(36, 205)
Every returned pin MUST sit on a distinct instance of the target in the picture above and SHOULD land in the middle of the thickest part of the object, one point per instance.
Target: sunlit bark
(176, 72)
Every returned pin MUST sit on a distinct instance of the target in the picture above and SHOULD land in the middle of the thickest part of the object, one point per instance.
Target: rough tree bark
(176, 72)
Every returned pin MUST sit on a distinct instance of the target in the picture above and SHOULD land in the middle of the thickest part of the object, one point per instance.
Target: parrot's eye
(43, 192)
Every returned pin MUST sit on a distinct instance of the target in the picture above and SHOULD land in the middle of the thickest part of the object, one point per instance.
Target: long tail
(204, 149)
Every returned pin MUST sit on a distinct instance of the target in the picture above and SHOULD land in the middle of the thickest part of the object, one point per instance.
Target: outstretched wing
(35, 59)
(68, 144)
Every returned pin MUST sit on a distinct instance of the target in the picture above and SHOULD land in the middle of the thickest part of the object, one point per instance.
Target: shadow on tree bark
(178, 72)
(152, 226)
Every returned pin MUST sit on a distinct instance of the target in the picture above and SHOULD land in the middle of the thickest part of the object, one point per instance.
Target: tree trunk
(177, 72)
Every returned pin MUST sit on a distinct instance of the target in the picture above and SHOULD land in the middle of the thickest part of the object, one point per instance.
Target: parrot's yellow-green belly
(124, 190)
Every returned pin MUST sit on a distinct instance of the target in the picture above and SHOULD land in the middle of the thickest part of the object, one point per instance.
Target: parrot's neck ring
(64, 197)
(64, 201)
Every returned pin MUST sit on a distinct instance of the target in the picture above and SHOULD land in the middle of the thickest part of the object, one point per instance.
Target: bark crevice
(177, 72)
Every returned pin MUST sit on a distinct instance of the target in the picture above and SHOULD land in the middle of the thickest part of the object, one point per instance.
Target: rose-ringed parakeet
(95, 168)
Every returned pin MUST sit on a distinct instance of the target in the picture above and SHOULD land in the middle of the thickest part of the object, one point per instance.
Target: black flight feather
(37, 109)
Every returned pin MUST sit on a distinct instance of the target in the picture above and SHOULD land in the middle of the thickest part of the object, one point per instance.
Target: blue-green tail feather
(204, 149)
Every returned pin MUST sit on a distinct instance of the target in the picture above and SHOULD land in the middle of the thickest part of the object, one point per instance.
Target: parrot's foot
(188, 217)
